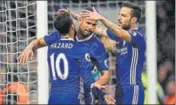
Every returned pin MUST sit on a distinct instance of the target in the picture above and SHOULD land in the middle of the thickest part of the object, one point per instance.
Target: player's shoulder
(138, 31)
(81, 51)
(80, 48)
(97, 41)
(95, 38)
(53, 33)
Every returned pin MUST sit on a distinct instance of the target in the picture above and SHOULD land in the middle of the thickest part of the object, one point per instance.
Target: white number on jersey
(57, 65)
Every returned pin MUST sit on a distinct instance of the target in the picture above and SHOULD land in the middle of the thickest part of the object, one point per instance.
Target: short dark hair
(89, 8)
(136, 10)
(63, 23)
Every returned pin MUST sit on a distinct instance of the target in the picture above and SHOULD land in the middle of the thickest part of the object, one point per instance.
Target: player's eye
(93, 24)
(123, 15)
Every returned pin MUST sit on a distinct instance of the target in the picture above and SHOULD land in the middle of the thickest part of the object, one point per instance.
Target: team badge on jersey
(134, 33)
(87, 57)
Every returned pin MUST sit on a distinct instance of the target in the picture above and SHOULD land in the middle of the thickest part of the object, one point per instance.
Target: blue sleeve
(51, 38)
(138, 39)
(112, 35)
(98, 53)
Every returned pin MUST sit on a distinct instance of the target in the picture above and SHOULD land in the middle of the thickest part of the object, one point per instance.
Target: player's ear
(134, 19)
(73, 26)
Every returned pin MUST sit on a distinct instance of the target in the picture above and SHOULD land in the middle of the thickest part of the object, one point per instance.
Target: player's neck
(68, 36)
(133, 26)
(81, 36)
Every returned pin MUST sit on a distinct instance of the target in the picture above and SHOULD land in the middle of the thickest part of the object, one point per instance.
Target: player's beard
(126, 27)
(84, 34)
(87, 33)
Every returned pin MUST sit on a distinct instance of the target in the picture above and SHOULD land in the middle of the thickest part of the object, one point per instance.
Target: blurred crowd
(166, 49)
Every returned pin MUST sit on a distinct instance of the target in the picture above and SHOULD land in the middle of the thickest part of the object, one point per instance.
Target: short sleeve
(98, 53)
(112, 35)
(51, 38)
(137, 39)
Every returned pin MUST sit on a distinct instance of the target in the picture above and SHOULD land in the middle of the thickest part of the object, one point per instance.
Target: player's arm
(118, 31)
(85, 68)
(100, 93)
(101, 30)
(76, 16)
(109, 100)
(98, 53)
(28, 52)
(104, 79)
(109, 44)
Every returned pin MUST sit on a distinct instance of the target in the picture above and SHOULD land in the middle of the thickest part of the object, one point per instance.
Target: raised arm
(101, 30)
(99, 57)
(73, 14)
(117, 30)
(28, 52)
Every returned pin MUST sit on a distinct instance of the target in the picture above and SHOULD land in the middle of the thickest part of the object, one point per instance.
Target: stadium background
(18, 28)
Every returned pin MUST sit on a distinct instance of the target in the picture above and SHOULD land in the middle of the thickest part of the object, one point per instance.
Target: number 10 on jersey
(55, 66)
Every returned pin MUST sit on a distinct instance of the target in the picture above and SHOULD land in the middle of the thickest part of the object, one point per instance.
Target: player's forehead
(125, 11)
(90, 21)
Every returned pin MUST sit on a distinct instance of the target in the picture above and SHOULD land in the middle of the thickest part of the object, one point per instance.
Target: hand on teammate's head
(62, 10)
(93, 15)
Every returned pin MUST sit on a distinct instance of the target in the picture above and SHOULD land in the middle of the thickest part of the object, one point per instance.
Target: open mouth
(87, 32)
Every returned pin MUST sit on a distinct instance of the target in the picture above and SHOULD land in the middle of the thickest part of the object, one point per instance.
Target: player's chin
(87, 34)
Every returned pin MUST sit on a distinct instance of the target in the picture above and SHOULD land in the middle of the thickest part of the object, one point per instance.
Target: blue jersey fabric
(130, 58)
(97, 53)
(129, 94)
(52, 37)
(129, 66)
(96, 48)
(67, 63)
(98, 58)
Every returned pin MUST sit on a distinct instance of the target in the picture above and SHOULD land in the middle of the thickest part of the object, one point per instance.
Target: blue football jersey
(97, 51)
(52, 37)
(68, 60)
(98, 58)
(130, 58)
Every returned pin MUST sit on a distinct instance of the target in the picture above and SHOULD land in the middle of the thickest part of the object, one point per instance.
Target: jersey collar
(66, 38)
(137, 27)
(82, 40)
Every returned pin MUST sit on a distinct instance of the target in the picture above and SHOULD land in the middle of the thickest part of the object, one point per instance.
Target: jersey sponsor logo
(87, 57)
(122, 51)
